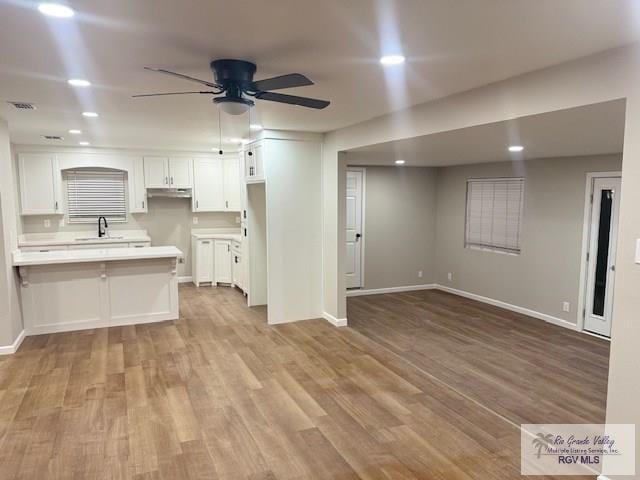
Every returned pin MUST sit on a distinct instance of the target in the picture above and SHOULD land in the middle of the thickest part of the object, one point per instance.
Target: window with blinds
(92, 193)
(494, 214)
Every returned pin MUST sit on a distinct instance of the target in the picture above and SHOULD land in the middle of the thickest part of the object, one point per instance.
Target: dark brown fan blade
(293, 100)
(283, 81)
(171, 93)
(186, 77)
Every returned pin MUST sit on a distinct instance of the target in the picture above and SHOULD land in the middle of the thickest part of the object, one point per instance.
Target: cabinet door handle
(245, 232)
(250, 153)
(166, 180)
(196, 203)
(56, 206)
(235, 259)
(142, 203)
(226, 204)
(228, 247)
(207, 242)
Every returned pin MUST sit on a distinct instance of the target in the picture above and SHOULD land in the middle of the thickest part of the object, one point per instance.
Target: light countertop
(21, 259)
(82, 237)
(220, 234)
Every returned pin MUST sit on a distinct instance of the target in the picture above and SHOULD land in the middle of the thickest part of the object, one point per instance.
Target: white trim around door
(586, 239)
(357, 281)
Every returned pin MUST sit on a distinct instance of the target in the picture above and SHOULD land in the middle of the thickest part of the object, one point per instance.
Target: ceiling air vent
(52, 137)
(23, 105)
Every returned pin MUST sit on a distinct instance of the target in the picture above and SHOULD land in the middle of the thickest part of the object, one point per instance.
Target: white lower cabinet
(202, 261)
(216, 260)
(222, 261)
(237, 267)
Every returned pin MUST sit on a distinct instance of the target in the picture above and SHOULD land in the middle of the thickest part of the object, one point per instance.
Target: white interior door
(603, 236)
(353, 257)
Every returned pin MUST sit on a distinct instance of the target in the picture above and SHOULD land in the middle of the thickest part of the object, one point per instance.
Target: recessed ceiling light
(516, 148)
(255, 127)
(55, 10)
(392, 59)
(78, 82)
(90, 114)
(74, 131)
(399, 162)
(84, 144)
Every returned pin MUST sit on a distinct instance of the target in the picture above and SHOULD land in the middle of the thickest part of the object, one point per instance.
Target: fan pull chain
(220, 152)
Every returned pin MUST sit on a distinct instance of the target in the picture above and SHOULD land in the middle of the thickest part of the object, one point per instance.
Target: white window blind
(494, 214)
(92, 193)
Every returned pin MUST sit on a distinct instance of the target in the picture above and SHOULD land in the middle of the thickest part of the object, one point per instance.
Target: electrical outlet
(419, 273)
(450, 276)
(237, 219)
(47, 223)
(566, 306)
(195, 220)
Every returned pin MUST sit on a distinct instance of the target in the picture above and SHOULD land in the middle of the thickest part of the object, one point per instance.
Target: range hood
(169, 192)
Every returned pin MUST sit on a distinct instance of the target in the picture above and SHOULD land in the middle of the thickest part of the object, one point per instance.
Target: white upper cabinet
(180, 172)
(137, 190)
(156, 172)
(216, 184)
(165, 172)
(208, 189)
(40, 184)
(254, 163)
(232, 184)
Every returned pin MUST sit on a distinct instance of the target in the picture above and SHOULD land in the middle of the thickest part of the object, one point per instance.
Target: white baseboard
(378, 291)
(472, 296)
(603, 477)
(336, 322)
(13, 348)
(185, 279)
(507, 306)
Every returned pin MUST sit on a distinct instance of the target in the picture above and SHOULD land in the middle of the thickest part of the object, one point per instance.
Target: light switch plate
(566, 306)
(47, 223)
(195, 220)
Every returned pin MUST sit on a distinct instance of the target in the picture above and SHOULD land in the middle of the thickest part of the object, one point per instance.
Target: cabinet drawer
(44, 248)
(139, 244)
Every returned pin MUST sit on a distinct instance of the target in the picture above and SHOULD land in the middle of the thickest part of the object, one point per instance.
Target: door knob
(358, 236)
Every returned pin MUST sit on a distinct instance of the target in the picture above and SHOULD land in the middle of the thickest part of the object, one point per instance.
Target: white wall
(547, 271)
(10, 314)
(294, 229)
(400, 226)
(606, 76)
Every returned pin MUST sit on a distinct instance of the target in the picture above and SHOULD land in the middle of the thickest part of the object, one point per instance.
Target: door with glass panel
(601, 255)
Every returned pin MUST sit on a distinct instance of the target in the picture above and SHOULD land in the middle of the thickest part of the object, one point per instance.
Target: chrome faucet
(102, 231)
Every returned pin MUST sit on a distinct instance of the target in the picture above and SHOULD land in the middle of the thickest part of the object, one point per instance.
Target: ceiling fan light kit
(233, 80)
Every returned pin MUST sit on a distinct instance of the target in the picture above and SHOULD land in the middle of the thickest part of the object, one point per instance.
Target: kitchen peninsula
(63, 290)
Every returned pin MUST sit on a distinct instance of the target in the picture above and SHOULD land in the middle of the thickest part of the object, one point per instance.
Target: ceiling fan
(234, 79)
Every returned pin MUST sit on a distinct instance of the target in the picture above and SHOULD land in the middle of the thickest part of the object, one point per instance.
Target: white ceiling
(589, 130)
(451, 46)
